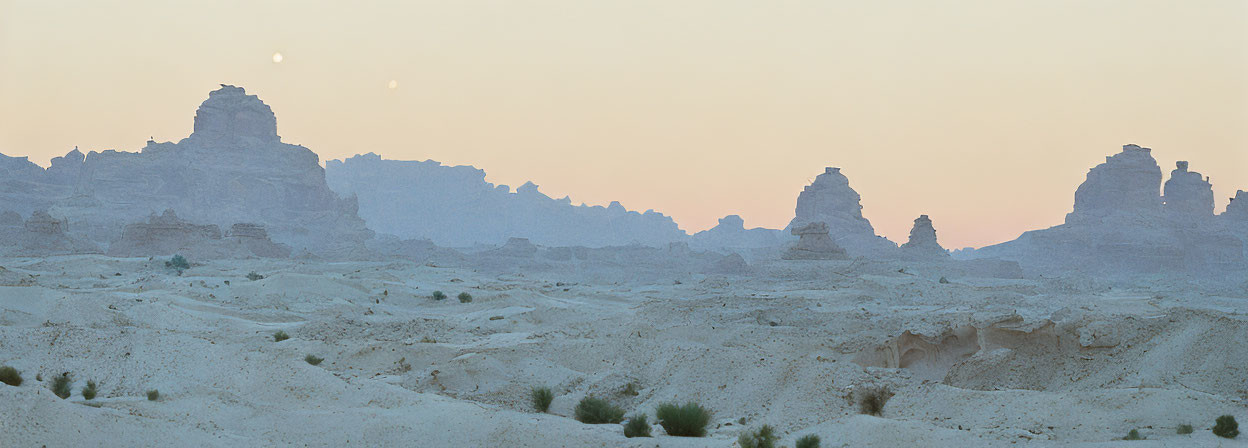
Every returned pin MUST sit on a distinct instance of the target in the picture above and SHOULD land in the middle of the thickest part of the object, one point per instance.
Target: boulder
(813, 243)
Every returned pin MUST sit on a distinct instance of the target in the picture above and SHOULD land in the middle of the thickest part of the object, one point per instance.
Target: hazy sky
(983, 114)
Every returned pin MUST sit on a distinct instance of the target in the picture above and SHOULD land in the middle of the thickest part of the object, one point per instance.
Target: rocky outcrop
(1187, 195)
(166, 235)
(40, 235)
(731, 233)
(1237, 210)
(922, 241)
(1124, 188)
(830, 200)
(813, 243)
(455, 206)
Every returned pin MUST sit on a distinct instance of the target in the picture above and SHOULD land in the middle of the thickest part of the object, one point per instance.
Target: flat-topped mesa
(813, 244)
(1125, 186)
(1188, 195)
(229, 112)
(923, 240)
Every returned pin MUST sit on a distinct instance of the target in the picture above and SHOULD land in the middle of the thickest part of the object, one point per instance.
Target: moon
(277, 58)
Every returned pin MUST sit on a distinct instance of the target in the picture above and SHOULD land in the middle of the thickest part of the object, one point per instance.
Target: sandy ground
(972, 362)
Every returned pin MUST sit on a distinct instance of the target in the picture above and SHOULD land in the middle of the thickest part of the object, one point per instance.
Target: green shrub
(541, 396)
(1133, 435)
(1184, 429)
(1226, 427)
(596, 410)
(807, 441)
(178, 263)
(61, 385)
(684, 421)
(630, 389)
(312, 359)
(764, 437)
(89, 391)
(872, 399)
(280, 336)
(253, 276)
(10, 376)
(465, 297)
(153, 395)
(439, 295)
(637, 426)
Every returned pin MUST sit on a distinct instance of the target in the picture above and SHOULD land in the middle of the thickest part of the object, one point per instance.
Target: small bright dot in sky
(393, 84)
(277, 57)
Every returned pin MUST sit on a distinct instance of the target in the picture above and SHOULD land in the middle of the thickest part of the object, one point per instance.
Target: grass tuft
(1133, 435)
(253, 276)
(178, 263)
(1184, 429)
(153, 395)
(280, 336)
(10, 376)
(593, 410)
(689, 420)
(637, 426)
(88, 392)
(764, 437)
(541, 396)
(807, 441)
(61, 385)
(1226, 427)
(312, 359)
(872, 399)
(439, 295)
(465, 297)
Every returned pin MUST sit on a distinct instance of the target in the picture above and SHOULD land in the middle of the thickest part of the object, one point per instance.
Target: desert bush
(253, 276)
(807, 441)
(684, 421)
(1184, 429)
(596, 410)
(541, 396)
(1133, 435)
(439, 295)
(178, 263)
(88, 392)
(465, 297)
(61, 385)
(944, 281)
(637, 426)
(1226, 427)
(312, 359)
(10, 376)
(764, 437)
(872, 399)
(153, 395)
(630, 389)
(280, 336)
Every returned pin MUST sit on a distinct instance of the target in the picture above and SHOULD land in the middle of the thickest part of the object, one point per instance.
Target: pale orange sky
(983, 114)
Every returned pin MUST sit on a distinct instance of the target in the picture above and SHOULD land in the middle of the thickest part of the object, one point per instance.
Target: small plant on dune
(944, 281)
(1133, 435)
(872, 399)
(541, 396)
(637, 426)
(684, 421)
(178, 263)
(153, 395)
(61, 385)
(465, 297)
(1226, 427)
(88, 392)
(253, 276)
(764, 437)
(630, 389)
(312, 359)
(10, 376)
(1184, 429)
(439, 295)
(807, 441)
(280, 336)
(596, 410)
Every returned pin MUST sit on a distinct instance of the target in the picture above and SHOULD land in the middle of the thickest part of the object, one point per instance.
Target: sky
(983, 114)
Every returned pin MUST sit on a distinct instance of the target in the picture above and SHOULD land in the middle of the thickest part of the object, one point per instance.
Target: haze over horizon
(985, 116)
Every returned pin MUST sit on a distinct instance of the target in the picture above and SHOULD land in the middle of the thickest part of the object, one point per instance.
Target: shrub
(153, 395)
(541, 396)
(439, 295)
(465, 297)
(637, 426)
(253, 276)
(764, 437)
(1133, 435)
(89, 391)
(1226, 427)
(178, 263)
(944, 281)
(61, 385)
(280, 336)
(807, 441)
(596, 410)
(684, 421)
(630, 389)
(312, 359)
(872, 399)
(10, 376)
(1184, 429)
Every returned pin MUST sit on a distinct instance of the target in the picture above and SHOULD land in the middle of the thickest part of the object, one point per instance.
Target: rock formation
(455, 206)
(829, 199)
(922, 241)
(40, 235)
(167, 235)
(1123, 188)
(731, 233)
(813, 243)
(1187, 195)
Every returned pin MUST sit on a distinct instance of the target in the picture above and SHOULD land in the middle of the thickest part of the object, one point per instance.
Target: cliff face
(830, 200)
(455, 206)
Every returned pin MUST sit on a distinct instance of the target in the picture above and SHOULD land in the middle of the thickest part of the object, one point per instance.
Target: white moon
(393, 84)
(277, 58)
